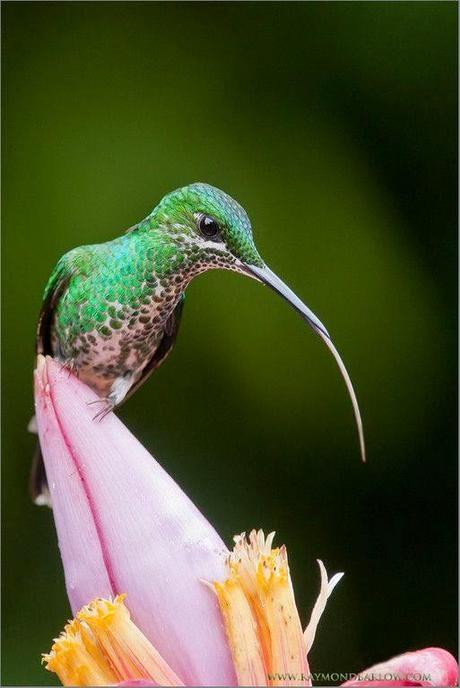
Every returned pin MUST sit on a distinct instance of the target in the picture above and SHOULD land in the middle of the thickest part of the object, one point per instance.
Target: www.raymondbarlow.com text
(335, 676)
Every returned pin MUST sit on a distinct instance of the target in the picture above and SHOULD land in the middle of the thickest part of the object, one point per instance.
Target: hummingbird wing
(56, 286)
(166, 344)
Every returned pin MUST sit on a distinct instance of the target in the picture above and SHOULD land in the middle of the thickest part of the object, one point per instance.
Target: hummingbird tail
(38, 483)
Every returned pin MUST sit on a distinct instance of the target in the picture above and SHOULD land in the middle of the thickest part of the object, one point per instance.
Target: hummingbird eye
(208, 226)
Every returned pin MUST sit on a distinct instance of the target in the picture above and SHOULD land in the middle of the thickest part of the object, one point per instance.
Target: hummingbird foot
(71, 367)
(108, 406)
(115, 396)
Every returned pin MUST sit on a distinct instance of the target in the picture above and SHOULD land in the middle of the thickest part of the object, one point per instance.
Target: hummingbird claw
(100, 415)
(70, 366)
(107, 408)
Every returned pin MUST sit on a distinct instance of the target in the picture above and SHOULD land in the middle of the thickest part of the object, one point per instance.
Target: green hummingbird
(111, 311)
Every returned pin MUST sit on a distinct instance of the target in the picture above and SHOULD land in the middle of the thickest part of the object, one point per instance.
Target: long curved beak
(266, 276)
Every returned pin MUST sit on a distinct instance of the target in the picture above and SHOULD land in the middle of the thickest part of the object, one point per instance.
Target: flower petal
(259, 586)
(130, 654)
(429, 667)
(242, 633)
(103, 646)
(125, 526)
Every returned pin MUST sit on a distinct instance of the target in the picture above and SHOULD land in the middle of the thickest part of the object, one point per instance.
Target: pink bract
(124, 526)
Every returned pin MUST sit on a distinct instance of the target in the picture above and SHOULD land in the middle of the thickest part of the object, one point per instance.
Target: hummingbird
(111, 311)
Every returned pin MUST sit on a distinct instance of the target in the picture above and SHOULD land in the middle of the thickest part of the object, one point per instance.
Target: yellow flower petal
(103, 646)
(242, 633)
(258, 596)
(77, 659)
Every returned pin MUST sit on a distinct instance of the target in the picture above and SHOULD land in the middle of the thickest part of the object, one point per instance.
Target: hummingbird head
(210, 227)
(211, 230)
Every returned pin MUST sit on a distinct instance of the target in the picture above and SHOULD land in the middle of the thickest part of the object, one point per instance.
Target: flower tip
(446, 663)
(334, 580)
(326, 588)
(330, 583)
(41, 373)
(41, 363)
(431, 666)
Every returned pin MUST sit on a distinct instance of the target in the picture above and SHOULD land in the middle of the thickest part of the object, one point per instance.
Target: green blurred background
(334, 124)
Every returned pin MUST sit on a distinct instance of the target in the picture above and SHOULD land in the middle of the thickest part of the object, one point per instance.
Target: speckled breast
(122, 344)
